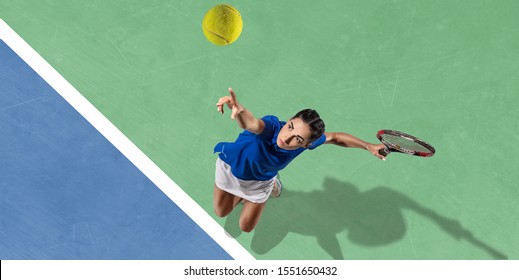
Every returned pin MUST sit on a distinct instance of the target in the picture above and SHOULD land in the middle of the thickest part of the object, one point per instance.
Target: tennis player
(247, 169)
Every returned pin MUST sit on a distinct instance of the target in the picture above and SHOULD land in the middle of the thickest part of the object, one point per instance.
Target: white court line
(122, 143)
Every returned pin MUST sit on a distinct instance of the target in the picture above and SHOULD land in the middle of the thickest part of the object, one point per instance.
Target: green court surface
(446, 71)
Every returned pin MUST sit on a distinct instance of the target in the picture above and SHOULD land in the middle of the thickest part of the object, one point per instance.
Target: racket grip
(383, 151)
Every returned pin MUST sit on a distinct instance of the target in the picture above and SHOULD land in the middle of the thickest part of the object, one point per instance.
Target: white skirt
(251, 190)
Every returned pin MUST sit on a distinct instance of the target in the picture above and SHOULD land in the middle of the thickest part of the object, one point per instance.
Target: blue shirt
(257, 156)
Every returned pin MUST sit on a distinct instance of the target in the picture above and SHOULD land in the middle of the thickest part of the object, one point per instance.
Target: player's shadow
(370, 218)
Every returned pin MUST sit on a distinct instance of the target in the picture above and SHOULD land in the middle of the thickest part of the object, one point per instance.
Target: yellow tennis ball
(222, 24)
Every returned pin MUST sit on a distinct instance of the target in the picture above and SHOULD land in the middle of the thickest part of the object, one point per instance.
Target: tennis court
(446, 71)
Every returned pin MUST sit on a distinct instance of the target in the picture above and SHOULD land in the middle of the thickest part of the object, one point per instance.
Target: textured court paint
(67, 193)
(446, 71)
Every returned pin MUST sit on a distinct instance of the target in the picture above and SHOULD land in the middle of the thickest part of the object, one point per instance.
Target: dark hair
(313, 120)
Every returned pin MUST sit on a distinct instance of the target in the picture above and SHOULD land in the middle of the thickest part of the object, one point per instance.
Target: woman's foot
(278, 188)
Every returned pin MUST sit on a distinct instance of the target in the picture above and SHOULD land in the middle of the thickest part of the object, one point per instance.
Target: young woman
(246, 170)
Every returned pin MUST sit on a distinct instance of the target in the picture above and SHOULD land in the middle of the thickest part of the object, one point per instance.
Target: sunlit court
(110, 112)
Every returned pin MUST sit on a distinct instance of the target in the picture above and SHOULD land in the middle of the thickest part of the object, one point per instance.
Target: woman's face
(294, 134)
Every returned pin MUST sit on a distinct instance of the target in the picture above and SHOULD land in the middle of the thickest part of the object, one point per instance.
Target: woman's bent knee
(221, 212)
(246, 227)
(222, 202)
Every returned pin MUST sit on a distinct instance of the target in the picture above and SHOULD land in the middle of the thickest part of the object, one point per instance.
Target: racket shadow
(371, 218)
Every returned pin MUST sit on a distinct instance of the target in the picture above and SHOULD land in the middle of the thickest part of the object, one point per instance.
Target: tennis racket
(396, 141)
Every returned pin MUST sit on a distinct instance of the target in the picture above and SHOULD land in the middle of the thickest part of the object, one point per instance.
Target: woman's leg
(250, 215)
(224, 202)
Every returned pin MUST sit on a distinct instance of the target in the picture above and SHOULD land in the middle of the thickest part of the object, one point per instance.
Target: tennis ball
(222, 24)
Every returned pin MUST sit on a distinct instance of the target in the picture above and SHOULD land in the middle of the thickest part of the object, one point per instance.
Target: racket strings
(403, 143)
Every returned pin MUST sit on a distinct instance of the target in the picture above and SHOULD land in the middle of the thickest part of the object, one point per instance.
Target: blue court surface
(68, 193)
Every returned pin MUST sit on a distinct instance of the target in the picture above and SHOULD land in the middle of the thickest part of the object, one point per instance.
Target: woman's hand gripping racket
(396, 141)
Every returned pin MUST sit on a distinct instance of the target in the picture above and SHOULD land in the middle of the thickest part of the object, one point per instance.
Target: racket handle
(384, 151)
